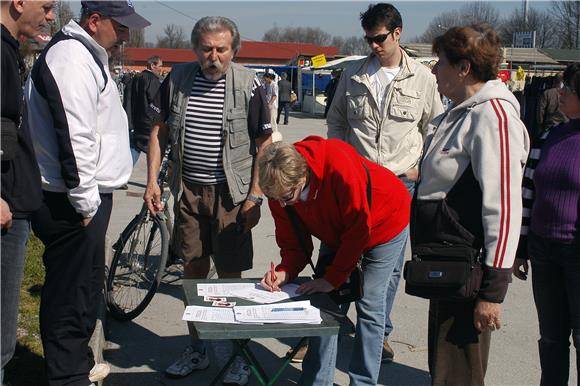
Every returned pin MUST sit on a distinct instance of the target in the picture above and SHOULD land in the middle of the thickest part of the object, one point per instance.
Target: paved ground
(140, 350)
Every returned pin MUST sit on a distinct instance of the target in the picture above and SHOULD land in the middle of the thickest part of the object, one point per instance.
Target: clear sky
(340, 18)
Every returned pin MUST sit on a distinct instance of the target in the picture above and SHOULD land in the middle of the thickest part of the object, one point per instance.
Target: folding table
(333, 322)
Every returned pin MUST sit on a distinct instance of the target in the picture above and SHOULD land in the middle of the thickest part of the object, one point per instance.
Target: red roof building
(254, 53)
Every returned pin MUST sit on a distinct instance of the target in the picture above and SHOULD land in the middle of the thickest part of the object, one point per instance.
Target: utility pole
(578, 25)
(526, 11)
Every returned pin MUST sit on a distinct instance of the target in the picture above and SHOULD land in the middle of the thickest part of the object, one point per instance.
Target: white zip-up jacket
(393, 138)
(78, 125)
(484, 131)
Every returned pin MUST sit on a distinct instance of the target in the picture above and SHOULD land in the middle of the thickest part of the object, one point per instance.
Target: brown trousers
(458, 352)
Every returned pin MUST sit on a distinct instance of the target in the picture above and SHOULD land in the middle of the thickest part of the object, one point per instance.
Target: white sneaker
(190, 360)
(238, 373)
(99, 372)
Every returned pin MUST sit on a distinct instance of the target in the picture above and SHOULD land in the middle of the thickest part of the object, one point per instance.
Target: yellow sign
(520, 73)
(318, 60)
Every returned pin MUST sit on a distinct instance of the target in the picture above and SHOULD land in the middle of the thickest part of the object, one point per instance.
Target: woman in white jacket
(469, 194)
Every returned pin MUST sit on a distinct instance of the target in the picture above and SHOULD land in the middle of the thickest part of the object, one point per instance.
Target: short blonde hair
(281, 169)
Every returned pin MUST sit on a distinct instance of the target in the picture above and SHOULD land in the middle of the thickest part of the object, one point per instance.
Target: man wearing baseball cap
(122, 12)
(81, 140)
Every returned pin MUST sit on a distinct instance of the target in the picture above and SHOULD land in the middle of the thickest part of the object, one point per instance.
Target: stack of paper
(208, 314)
(249, 291)
(288, 313)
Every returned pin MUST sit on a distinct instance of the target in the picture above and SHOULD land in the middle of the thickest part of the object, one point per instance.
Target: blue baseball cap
(122, 12)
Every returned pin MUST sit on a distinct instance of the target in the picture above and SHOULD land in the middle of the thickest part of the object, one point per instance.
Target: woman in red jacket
(326, 182)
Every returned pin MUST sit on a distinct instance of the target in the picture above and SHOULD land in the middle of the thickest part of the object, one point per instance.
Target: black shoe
(388, 352)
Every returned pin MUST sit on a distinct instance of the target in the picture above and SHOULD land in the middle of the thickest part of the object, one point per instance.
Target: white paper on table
(261, 295)
(249, 291)
(209, 314)
(297, 312)
(223, 289)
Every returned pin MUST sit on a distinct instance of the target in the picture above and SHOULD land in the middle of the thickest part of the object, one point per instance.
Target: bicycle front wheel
(137, 267)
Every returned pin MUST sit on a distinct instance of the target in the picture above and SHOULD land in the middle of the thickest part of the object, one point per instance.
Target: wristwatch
(255, 199)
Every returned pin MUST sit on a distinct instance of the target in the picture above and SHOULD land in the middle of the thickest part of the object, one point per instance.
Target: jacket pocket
(356, 106)
(243, 174)
(238, 127)
(406, 104)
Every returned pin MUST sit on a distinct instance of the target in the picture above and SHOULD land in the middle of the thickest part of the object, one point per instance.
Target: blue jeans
(13, 251)
(396, 276)
(320, 360)
(556, 285)
(135, 153)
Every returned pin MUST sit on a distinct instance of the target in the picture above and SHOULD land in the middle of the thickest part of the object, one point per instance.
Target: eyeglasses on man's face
(378, 39)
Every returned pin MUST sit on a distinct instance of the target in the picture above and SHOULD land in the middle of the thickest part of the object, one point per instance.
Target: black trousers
(74, 260)
(458, 353)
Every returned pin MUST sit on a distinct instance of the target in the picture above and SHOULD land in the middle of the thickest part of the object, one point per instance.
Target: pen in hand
(272, 276)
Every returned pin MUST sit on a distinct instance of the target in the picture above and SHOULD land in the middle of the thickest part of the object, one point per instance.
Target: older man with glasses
(382, 106)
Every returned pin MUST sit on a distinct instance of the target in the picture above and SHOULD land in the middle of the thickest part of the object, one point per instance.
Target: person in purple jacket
(550, 238)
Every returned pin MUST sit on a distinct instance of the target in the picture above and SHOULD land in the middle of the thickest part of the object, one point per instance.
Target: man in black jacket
(143, 88)
(21, 194)
(548, 113)
(284, 97)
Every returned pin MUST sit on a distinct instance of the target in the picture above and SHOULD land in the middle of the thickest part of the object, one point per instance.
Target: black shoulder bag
(352, 289)
(446, 240)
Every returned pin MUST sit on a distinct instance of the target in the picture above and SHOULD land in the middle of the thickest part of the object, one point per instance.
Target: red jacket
(336, 210)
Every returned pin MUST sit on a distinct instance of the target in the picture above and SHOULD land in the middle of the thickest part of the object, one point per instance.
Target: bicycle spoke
(138, 263)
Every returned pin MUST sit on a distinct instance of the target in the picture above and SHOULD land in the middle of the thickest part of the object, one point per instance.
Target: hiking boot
(99, 372)
(388, 353)
(190, 360)
(299, 357)
(238, 373)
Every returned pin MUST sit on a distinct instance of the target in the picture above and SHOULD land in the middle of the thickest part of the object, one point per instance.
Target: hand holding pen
(272, 280)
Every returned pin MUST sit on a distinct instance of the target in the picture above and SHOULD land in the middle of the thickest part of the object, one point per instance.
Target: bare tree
(470, 13)
(353, 45)
(136, 38)
(567, 25)
(174, 37)
(479, 12)
(63, 13)
(297, 35)
(439, 24)
(541, 22)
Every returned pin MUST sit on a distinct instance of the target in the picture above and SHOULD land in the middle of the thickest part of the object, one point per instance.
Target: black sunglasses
(378, 39)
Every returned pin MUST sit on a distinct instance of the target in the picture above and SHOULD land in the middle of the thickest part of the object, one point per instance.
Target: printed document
(249, 291)
(208, 314)
(288, 313)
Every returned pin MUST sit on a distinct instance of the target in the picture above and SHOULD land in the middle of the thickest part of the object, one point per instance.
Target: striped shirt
(202, 153)
(203, 132)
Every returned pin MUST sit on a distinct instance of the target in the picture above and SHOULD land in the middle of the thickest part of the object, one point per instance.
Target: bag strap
(291, 211)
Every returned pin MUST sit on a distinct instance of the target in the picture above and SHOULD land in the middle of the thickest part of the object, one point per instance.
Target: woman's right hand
(281, 277)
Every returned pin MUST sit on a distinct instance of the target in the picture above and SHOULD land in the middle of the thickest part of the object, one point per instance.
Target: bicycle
(140, 258)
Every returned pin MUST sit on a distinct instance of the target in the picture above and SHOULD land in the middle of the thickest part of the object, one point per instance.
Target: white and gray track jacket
(77, 122)
(484, 131)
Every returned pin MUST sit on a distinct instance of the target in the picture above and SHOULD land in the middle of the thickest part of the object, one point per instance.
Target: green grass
(26, 367)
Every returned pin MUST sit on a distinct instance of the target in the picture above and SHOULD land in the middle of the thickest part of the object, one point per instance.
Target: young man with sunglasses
(81, 139)
(382, 106)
